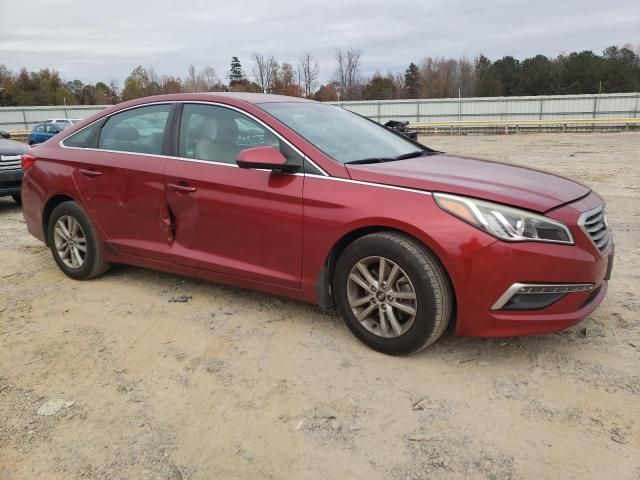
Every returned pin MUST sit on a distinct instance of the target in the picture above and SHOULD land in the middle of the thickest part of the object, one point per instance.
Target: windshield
(344, 136)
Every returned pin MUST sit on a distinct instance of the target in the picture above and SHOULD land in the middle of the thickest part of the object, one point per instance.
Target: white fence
(557, 107)
(24, 118)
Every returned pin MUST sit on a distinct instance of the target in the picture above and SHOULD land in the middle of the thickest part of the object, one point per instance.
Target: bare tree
(347, 73)
(308, 72)
(446, 77)
(209, 79)
(263, 71)
(287, 81)
(205, 80)
(191, 82)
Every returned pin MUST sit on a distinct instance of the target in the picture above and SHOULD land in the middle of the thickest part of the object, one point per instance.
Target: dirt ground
(233, 384)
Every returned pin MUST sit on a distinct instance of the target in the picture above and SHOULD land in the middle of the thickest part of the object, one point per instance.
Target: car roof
(234, 99)
(223, 97)
(254, 98)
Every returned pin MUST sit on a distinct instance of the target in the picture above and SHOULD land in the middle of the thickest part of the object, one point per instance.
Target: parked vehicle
(68, 121)
(10, 171)
(44, 131)
(402, 128)
(331, 208)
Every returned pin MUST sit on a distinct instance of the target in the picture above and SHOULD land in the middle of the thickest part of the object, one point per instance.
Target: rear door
(121, 179)
(246, 223)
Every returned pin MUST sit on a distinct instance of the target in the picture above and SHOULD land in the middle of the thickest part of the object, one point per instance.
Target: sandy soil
(235, 384)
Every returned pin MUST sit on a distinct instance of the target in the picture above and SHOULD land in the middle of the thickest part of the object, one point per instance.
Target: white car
(69, 121)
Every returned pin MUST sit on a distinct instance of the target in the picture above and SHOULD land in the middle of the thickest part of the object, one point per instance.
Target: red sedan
(310, 201)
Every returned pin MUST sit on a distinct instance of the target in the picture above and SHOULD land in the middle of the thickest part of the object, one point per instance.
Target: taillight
(27, 161)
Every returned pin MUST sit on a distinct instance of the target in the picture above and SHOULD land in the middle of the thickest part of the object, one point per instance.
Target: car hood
(11, 147)
(509, 184)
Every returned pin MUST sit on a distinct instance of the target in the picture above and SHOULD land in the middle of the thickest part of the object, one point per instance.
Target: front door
(246, 223)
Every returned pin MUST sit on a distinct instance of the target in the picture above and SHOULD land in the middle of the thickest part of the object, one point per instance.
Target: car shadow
(450, 348)
(8, 205)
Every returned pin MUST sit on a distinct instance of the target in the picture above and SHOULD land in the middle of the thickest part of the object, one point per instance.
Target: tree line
(616, 70)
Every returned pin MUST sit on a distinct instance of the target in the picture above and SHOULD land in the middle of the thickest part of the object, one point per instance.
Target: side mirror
(6, 135)
(268, 158)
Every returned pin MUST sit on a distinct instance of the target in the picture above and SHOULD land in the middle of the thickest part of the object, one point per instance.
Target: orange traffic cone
(506, 130)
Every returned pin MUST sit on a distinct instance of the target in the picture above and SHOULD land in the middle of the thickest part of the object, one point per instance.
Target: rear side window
(83, 138)
(139, 130)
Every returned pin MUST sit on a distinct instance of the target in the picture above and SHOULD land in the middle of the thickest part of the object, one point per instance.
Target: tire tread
(433, 273)
(99, 266)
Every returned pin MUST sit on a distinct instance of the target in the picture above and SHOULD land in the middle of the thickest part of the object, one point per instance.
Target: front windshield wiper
(370, 160)
(404, 156)
(417, 153)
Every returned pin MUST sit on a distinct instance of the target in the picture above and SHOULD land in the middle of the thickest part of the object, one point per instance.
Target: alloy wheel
(382, 297)
(70, 241)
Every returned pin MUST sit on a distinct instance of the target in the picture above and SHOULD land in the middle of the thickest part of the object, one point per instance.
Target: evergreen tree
(235, 74)
(486, 84)
(412, 81)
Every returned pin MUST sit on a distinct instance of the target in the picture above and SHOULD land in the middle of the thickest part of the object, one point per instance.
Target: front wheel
(74, 242)
(393, 293)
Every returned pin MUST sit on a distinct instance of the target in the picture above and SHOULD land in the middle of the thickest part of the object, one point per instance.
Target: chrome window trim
(581, 223)
(514, 289)
(324, 176)
(170, 102)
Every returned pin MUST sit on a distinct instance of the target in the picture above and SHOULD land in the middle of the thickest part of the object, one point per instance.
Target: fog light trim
(536, 288)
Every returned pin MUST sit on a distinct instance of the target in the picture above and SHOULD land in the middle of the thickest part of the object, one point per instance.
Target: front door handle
(181, 188)
(90, 173)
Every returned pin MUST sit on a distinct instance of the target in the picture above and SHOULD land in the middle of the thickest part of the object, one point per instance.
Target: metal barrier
(20, 135)
(518, 126)
(21, 118)
(491, 109)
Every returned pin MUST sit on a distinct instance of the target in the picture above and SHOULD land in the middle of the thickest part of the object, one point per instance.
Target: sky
(104, 40)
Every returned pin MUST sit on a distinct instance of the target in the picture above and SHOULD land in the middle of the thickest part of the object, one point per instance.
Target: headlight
(506, 223)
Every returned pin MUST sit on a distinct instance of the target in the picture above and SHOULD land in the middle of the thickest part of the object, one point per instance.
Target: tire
(92, 264)
(418, 273)
(17, 198)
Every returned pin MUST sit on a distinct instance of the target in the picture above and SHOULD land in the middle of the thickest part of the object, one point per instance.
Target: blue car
(44, 131)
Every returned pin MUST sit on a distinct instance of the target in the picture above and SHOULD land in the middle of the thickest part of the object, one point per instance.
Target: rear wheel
(393, 293)
(17, 198)
(74, 242)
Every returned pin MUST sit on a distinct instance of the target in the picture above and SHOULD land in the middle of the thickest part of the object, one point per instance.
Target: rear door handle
(181, 188)
(90, 173)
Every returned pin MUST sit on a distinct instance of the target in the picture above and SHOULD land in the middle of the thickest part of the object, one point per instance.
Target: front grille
(9, 162)
(594, 224)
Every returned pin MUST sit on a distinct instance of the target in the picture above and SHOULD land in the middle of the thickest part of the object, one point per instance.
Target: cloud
(95, 41)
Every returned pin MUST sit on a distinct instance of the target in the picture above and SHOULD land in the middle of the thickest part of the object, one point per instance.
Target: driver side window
(218, 134)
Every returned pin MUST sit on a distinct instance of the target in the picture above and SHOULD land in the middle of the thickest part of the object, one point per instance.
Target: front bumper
(10, 181)
(482, 280)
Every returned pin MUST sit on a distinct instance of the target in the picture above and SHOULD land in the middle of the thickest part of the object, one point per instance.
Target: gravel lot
(236, 384)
